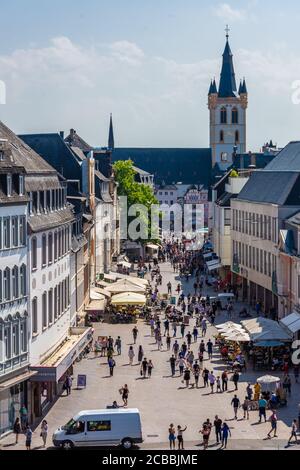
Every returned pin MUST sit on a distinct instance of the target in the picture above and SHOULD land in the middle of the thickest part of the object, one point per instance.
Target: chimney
(72, 132)
(62, 135)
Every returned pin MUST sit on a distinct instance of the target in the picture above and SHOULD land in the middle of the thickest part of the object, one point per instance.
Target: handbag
(141, 372)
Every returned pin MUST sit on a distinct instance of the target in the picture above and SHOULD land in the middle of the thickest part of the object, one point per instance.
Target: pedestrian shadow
(38, 448)
(13, 444)
(105, 377)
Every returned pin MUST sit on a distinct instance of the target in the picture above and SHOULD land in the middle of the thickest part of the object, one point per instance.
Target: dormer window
(21, 185)
(9, 185)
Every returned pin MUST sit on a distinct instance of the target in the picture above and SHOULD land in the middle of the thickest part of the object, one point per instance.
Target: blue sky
(149, 62)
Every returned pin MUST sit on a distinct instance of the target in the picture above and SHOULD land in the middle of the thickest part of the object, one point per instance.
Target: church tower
(227, 107)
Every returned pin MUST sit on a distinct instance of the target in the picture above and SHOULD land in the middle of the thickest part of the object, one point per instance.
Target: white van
(108, 427)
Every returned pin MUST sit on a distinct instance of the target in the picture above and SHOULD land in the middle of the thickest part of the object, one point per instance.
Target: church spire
(227, 86)
(111, 140)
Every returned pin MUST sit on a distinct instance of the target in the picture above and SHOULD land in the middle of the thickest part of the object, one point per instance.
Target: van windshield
(70, 424)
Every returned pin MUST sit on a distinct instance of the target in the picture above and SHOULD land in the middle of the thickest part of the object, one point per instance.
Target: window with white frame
(6, 284)
(15, 231)
(44, 250)
(6, 232)
(23, 283)
(44, 309)
(15, 282)
(34, 313)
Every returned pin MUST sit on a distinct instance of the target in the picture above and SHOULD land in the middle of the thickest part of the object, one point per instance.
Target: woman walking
(172, 436)
(131, 355)
(17, 429)
(140, 354)
(245, 407)
(150, 367)
(225, 433)
(124, 391)
(44, 432)
(187, 377)
(180, 432)
(28, 434)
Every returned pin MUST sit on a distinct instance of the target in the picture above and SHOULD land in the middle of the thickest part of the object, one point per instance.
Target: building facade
(227, 108)
(14, 315)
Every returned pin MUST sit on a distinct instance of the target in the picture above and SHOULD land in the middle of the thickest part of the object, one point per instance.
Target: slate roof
(171, 165)
(76, 141)
(51, 220)
(227, 86)
(23, 155)
(272, 187)
(295, 219)
(288, 159)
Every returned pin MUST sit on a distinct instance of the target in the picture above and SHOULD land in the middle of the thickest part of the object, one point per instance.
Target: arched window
(6, 284)
(50, 306)
(223, 115)
(15, 282)
(34, 253)
(44, 309)
(15, 339)
(55, 304)
(237, 136)
(234, 116)
(55, 246)
(50, 248)
(1, 287)
(34, 316)
(44, 250)
(221, 136)
(63, 249)
(23, 287)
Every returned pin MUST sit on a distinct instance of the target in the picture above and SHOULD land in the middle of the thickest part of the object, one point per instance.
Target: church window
(221, 136)
(223, 116)
(235, 116)
(237, 136)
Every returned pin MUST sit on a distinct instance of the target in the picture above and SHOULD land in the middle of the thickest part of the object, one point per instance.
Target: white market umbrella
(268, 379)
(238, 337)
(229, 324)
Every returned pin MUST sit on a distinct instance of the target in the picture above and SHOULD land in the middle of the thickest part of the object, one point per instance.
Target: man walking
(273, 420)
(235, 402)
(293, 432)
(118, 345)
(262, 406)
(134, 334)
(173, 364)
(111, 365)
(218, 428)
(209, 346)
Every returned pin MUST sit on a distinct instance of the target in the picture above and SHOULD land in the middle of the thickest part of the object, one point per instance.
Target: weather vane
(227, 31)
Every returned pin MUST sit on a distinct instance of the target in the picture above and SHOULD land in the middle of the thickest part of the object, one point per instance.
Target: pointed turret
(213, 88)
(244, 88)
(227, 86)
(111, 140)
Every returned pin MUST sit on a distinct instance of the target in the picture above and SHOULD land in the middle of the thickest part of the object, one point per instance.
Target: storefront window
(11, 401)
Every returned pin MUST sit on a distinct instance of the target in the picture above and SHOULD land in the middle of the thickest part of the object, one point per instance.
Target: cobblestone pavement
(162, 399)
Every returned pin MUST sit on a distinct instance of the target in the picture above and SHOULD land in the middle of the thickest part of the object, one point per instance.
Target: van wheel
(127, 443)
(67, 445)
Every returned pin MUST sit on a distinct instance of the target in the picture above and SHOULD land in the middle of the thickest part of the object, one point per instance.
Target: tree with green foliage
(136, 193)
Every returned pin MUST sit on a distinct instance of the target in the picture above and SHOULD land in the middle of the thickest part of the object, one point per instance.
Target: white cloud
(155, 100)
(228, 13)
(127, 51)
